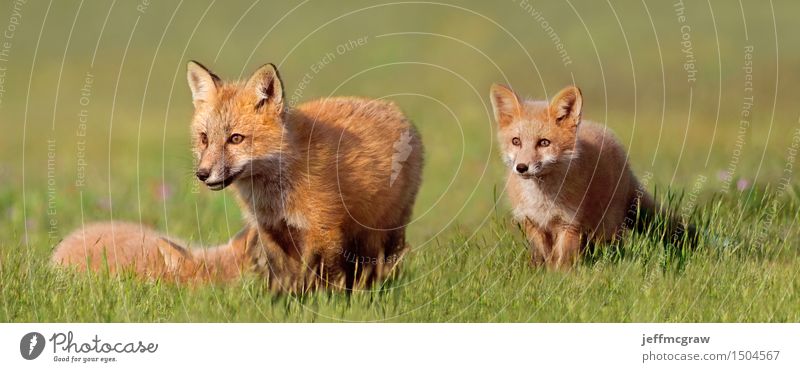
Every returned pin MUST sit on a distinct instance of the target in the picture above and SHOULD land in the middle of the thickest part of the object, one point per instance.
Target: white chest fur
(540, 208)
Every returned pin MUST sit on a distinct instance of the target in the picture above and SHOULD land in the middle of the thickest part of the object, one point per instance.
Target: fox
(123, 246)
(569, 181)
(332, 182)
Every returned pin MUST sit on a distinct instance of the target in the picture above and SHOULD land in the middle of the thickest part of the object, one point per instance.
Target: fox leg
(365, 257)
(322, 258)
(539, 241)
(398, 247)
(566, 250)
(271, 261)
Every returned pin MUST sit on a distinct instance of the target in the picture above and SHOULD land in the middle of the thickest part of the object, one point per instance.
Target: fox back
(119, 246)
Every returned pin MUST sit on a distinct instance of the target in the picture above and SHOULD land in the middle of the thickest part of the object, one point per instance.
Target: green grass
(469, 262)
(735, 274)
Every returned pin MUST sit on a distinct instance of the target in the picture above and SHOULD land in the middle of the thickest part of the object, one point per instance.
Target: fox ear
(566, 107)
(202, 82)
(505, 104)
(173, 254)
(268, 88)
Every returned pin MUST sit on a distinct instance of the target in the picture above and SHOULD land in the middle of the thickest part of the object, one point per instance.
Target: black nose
(202, 174)
(522, 168)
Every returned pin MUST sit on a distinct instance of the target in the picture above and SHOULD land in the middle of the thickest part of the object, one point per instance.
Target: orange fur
(121, 246)
(331, 182)
(569, 181)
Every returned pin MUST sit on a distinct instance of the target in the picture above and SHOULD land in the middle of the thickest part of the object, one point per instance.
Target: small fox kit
(123, 246)
(332, 182)
(569, 182)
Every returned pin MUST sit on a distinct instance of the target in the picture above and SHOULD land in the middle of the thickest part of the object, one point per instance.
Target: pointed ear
(567, 106)
(238, 243)
(505, 103)
(173, 254)
(267, 86)
(202, 82)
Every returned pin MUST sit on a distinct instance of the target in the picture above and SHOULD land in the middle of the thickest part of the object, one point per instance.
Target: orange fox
(332, 182)
(123, 246)
(569, 181)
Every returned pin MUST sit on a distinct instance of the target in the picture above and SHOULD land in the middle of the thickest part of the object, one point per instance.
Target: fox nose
(202, 174)
(522, 168)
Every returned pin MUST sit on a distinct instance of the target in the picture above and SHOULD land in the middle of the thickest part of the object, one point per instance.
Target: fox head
(238, 127)
(178, 261)
(537, 137)
(220, 265)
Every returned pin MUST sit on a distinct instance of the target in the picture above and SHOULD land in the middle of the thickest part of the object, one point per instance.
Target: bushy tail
(652, 218)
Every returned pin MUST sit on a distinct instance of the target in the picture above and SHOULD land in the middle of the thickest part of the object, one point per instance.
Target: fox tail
(650, 217)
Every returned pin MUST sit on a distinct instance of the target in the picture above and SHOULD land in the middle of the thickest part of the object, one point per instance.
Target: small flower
(104, 203)
(31, 224)
(742, 184)
(162, 191)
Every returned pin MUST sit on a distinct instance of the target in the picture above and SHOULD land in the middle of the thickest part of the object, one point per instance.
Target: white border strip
(406, 347)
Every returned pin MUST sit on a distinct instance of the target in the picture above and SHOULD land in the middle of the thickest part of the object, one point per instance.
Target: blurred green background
(103, 83)
(436, 60)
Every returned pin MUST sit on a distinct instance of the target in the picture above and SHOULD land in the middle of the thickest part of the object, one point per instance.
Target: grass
(469, 262)
(735, 275)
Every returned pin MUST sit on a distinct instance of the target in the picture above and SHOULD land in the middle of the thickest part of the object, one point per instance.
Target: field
(95, 113)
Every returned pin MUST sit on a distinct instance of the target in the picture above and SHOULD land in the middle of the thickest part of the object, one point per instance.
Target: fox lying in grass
(332, 182)
(569, 181)
(120, 246)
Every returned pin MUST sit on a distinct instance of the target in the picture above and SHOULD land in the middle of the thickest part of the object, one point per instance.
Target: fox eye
(544, 142)
(203, 139)
(515, 141)
(236, 139)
